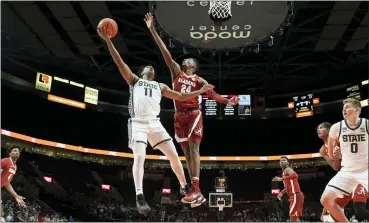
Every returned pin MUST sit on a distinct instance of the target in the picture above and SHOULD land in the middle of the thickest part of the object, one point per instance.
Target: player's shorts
(343, 200)
(360, 194)
(188, 126)
(143, 130)
(346, 181)
(296, 205)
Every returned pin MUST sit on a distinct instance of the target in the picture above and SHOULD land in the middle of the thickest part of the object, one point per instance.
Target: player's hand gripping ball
(110, 25)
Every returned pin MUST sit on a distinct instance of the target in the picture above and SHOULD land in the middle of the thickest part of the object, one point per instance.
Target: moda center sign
(190, 23)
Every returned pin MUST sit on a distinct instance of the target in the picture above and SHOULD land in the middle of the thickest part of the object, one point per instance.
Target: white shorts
(140, 130)
(345, 182)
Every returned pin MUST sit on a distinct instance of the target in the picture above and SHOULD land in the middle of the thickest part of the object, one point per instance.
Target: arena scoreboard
(303, 105)
(211, 108)
(65, 91)
(221, 184)
(359, 91)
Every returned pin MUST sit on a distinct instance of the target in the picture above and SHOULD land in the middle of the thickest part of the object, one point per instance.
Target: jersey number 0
(354, 148)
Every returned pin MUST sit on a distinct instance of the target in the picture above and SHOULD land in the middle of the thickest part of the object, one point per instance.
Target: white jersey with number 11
(145, 97)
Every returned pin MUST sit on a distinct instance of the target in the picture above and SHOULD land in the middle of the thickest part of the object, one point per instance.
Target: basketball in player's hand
(110, 25)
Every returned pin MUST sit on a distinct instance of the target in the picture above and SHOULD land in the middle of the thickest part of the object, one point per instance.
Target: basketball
(110, 26)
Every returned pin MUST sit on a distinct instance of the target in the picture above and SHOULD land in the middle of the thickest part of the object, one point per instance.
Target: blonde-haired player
(352, 133)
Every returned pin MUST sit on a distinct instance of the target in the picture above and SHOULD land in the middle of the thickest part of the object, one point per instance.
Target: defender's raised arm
(173, 66)
(169, 93)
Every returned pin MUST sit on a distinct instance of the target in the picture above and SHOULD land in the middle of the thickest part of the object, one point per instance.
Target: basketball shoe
(142, 205)
(191, 197)
(185, 190)
(195, 192)
(199, 201)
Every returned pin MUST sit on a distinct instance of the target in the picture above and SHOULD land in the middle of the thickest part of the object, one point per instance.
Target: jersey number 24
(185, 88)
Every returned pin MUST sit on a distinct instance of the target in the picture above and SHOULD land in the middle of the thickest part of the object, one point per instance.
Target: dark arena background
(64, 104)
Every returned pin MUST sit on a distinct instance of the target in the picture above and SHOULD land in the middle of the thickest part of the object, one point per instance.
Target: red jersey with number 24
(8, 170)
(186, 84)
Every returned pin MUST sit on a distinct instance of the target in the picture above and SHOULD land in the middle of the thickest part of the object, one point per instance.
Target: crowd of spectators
(257, 212)
(31, 213)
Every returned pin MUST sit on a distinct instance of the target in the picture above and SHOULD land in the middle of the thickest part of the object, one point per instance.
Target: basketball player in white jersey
(143, 126)
(352, 134)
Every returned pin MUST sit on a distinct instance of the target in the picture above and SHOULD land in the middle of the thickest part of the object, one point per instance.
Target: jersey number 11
(148, 92)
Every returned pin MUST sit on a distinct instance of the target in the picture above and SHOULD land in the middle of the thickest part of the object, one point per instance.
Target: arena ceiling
(325, 44)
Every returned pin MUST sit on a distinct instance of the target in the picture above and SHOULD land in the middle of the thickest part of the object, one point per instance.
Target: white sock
(139, 191)
(169, 150)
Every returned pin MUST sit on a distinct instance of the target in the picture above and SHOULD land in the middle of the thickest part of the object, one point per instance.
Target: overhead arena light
(271, 41)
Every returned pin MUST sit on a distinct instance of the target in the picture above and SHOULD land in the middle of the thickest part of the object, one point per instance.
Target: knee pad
(139, 148)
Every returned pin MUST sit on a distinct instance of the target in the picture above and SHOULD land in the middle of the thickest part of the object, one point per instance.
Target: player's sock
(183, 184)
(139, 191)
(196, 184)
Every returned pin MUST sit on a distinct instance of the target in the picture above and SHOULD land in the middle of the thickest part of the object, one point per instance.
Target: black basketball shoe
(185, 190)
(142, 205)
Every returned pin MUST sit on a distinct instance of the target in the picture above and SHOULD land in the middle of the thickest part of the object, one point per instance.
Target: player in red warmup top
(8, 170)
(188, 117)
(359, 196)
(292, 188)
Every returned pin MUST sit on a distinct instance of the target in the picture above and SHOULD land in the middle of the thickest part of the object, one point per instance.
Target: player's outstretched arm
(169, 93)
(126, 72)
(172, 65)
(18, 198)
(218, 98)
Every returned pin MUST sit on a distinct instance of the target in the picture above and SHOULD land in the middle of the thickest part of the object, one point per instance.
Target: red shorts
(359, 195)
(296, 204)
(343, 201)
(188, 127)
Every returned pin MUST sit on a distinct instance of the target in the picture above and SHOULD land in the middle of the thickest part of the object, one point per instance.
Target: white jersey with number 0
(144, 101)
(353, 144)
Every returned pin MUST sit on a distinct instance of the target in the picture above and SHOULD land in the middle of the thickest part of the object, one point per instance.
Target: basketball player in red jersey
(360, 195)
(292, 188)
(188, 117)
(8, 170)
